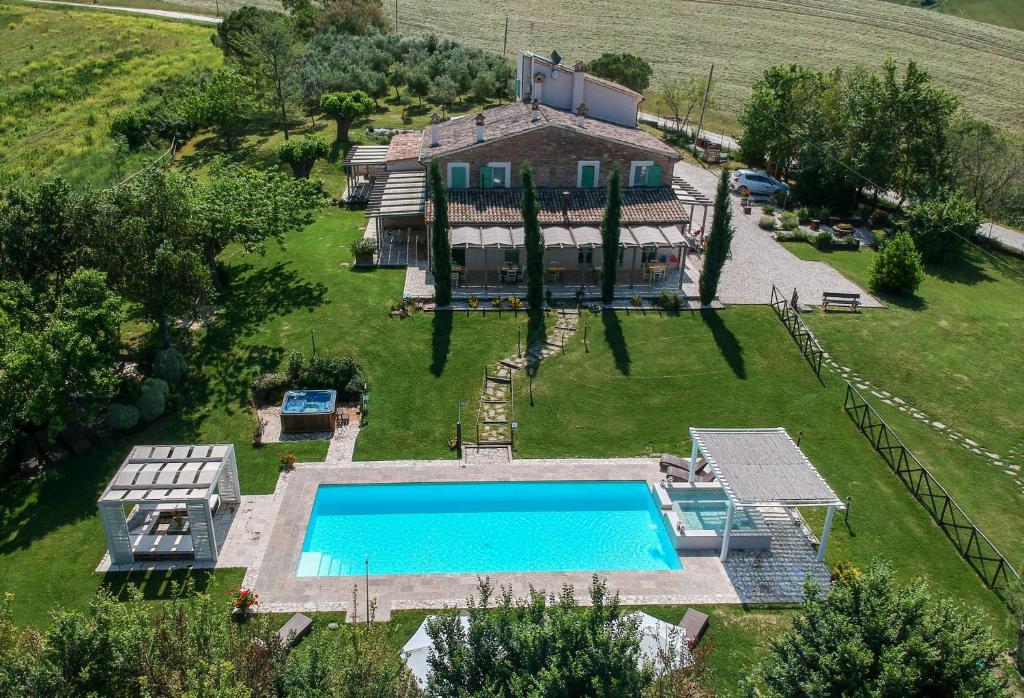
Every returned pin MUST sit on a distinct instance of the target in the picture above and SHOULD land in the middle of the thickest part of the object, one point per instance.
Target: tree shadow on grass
(442, 341)
(616, 341)
(536, 335)
(914, 302)
(968, 270)
(156, 584)
(726, 341)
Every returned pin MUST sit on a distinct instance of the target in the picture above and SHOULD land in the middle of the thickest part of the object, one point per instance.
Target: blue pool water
(485, 527)
(308, 401)
(706, 510)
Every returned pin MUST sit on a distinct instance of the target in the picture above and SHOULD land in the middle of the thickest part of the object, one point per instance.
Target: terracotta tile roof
(404, 146)
(501, 206)
(512, 119)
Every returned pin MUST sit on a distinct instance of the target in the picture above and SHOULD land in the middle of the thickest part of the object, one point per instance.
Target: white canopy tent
(161, 502)
(658, 641)
(762, 467)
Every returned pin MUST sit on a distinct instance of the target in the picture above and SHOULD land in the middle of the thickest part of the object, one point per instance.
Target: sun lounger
(694, 623)
(679, 468)
(29, 454)
(669, 460)
(297, 627)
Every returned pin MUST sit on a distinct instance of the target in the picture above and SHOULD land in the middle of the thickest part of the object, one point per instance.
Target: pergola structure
(762, 468)
(161, 502)
(362, 166)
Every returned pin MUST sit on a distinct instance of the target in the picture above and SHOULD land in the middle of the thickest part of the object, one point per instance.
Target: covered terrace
(162, 501)
(762, 468)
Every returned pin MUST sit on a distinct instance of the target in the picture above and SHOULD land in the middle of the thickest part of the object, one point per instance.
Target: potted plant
(473, 302)
(257, 433)
(287, 459)
(636, 301)
(362, 250)
(244, 602)
(497, 301)
(515, 303)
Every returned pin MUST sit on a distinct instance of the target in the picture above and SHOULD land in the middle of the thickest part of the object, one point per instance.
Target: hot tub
(305, 411)
(695, 516)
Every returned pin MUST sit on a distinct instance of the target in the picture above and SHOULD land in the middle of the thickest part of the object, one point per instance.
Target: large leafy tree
(681, 97)
(533, 240)
(249, 206)
(301, 155)
(440, 245)
(538, 646)
(941, 224)
(624, 68)
(719, 240)
(223, 101)
(871, 635)
(610, 234)
(151, 245)
(345, 108)
(271, 55)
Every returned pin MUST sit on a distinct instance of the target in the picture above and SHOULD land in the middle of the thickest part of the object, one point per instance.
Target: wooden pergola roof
(158, 474)
(398, 194)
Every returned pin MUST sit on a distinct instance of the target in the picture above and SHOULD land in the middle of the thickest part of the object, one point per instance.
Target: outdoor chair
(694, 623)
(671, 460)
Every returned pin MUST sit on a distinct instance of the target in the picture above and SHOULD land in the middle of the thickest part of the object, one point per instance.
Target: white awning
(557, 236)
(586, 236)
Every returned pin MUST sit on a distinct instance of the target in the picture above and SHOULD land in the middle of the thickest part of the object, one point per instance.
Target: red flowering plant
(244, 600)
(287, 459)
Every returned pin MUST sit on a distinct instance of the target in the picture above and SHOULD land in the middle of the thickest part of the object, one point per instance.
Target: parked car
(750, 182)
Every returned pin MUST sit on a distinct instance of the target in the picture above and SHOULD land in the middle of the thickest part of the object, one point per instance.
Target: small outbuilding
(161, 503)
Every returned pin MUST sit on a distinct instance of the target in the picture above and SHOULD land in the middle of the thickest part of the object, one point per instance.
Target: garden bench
(297, 627)
(845, 300)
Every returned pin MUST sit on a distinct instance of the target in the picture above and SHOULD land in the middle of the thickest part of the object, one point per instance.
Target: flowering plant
(287, 459)
(244, 600)
(453, 444)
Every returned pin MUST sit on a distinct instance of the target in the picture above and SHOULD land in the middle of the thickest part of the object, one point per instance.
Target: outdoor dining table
(555, 272)
(651, 268)
(508, 273)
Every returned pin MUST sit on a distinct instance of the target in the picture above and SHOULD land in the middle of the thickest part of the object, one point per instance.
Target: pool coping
(703, 579)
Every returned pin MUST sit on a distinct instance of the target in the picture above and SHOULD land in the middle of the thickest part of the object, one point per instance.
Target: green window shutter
(654, 176)
(486, 177)
(518, 86)
(458, 178)
(587, 176)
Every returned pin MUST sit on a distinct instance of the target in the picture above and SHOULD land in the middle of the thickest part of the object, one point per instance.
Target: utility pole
(367, 558)
(396, 16)
(504, 44)
(707, 93)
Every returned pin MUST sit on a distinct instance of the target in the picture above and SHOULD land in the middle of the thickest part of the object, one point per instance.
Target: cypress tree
(719, 240)
(440, 245)
(533, 240)
(610, 236)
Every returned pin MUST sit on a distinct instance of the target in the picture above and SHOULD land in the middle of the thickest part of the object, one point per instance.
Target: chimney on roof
(535, 111)
(581, 114)
(435, 130)
(566, 202)
(480, 127)
(579, 83)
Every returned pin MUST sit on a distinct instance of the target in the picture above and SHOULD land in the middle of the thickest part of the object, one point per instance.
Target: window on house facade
(644, 173)
(512, 257)
(459, 256)
(458, 175)
(649, 253)
(496, 175)
(588, 173)
(585, 258)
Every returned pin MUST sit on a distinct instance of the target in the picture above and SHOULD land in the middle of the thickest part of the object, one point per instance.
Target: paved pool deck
(272, 556)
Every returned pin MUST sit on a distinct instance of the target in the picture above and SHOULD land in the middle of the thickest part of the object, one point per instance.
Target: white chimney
(535, 111)
(435, 130)
(480, 127)
(579, 79)
(581, 113)
(538, 84)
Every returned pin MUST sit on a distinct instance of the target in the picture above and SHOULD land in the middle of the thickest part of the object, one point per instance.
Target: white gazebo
(762, 468)
(161, 502)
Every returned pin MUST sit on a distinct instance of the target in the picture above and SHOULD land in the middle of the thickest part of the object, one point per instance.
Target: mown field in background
(1004, 13)
(982, 63)
(67, 71)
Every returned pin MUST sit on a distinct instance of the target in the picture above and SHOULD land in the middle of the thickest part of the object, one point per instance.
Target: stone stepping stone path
(493, 417)
(1010, 462)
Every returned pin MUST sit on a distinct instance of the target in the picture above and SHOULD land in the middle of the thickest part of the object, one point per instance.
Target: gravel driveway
(758, 261)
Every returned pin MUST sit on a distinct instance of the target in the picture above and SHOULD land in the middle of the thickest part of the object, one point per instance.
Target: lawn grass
(67, 71)
(953, 352)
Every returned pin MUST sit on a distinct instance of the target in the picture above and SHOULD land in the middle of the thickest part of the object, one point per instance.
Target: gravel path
(1006, 236)
(758, 261)
(727, 142)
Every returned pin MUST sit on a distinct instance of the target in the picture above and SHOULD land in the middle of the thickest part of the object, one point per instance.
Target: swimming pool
(706, 510)
(480, 527)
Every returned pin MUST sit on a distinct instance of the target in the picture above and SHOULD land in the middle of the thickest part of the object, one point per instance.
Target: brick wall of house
(554, 154)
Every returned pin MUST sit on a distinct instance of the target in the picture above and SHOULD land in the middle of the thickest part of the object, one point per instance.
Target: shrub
(473, 302)
(339, 373)
(803, 214)
(821, 213)
(270, 386)
(153, 399)
(636, 301)
(767, 222)
(897, 265)
(790, 221)
(939, 226)
(363, 246)
(670, 300)
(515, 303)
(881, 217)
(497, 301)
(295, 364)
(768, 209)
(169, 365)
(878, 236)
(122, 417)
(823, 240)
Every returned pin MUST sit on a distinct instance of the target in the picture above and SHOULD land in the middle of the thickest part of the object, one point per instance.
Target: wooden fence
(973, 545)
(789, 316)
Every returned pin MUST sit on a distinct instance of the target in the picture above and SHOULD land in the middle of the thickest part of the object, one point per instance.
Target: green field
(66, 71)
(1003, 13)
